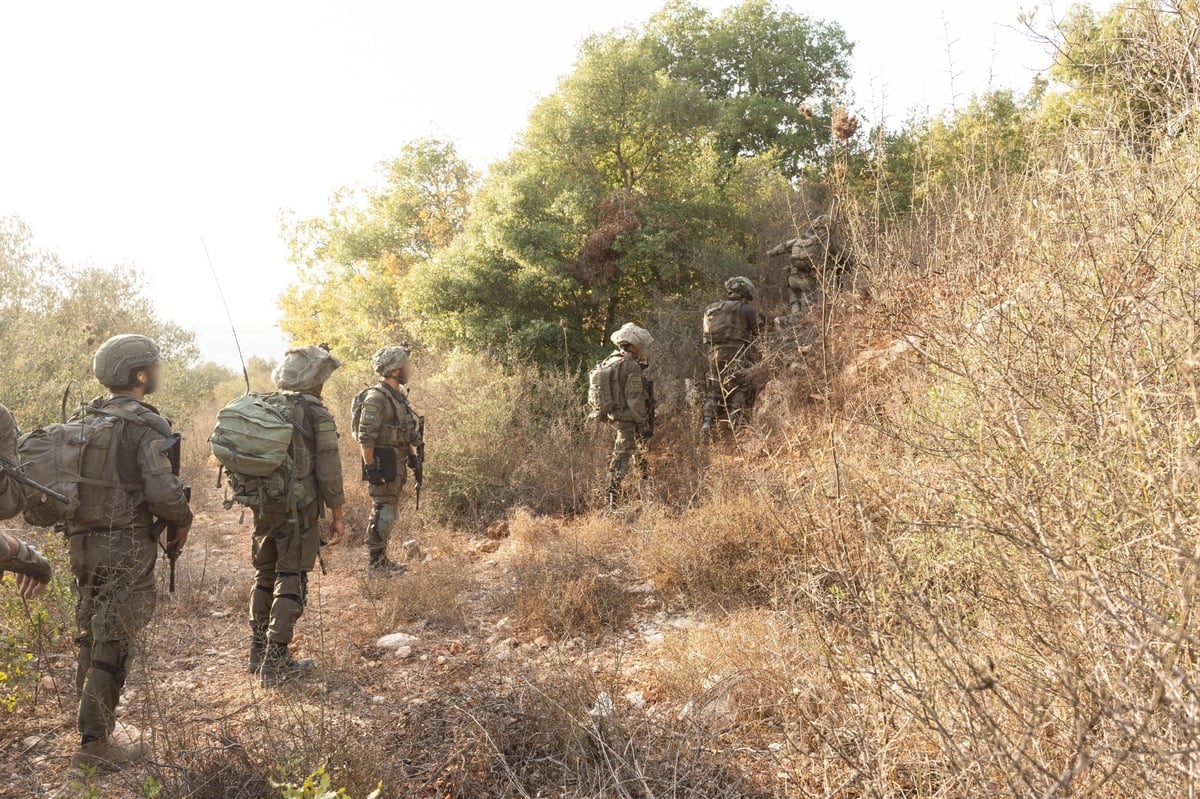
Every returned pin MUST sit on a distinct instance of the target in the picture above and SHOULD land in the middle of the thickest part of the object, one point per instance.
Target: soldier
(817, 260)
(627, 404)
(731, 328)
(112, 541)
(285, 545)
(31, 568)
(386, 429)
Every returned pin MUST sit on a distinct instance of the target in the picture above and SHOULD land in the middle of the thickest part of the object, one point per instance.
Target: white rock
(636, 698)
(403, 652)
(655, 640)
(604, 707)
(377, 700)
(31, 741)
(397, 641)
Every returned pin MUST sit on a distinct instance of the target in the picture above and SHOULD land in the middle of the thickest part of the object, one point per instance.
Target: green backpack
(78, 459)
(723, 324)
(253, 443)
(604, 393)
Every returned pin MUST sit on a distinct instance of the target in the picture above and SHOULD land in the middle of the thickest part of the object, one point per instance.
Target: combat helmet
(629, 333)
(120, 356)
(304, 368)
(389, 359)
(740, 286)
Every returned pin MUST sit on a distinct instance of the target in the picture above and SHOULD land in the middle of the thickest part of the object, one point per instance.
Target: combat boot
(279, 667)
(258, 648)
(387, 567)
(104, 756)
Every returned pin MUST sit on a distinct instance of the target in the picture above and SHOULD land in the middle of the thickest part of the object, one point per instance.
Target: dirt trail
(190, 688)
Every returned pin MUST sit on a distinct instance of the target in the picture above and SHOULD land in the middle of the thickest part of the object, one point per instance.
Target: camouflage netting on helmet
(740, 286)
(632, 334)
(389, 359)
(304, 368)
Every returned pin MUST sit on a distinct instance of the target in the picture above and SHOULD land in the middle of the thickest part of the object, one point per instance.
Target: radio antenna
(228, 315)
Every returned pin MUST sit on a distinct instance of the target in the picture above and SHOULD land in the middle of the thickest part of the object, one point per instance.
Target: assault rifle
(651, 405)
(13, 472)
(417, 462)
(171, 448)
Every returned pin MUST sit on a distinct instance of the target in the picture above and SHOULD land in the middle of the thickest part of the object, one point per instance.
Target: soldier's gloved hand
(412, 462)
(372, 475)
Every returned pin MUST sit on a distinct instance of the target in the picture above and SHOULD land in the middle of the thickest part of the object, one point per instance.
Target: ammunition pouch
(385, 464)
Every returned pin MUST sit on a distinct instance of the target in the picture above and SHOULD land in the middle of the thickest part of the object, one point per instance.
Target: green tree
(774, 76)
(592, 216)
(1130, 72)
(77, 309)
(353, 260)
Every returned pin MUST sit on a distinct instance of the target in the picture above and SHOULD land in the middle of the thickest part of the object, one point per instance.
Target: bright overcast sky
(132, 130)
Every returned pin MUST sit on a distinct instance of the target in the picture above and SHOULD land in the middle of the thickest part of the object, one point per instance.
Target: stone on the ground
(397, 641)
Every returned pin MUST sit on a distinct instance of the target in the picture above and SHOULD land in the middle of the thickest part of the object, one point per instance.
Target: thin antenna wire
(228, 315)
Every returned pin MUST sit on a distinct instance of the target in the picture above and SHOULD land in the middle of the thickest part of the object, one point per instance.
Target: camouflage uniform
(631, 420)
(387, 421)
(12, 496)
(728, 362)
(113, 548)
(15, 555)
(818, 261)
(285, 547)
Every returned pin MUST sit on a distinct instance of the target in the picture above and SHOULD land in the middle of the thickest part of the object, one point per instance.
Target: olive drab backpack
(78, 459)
(604, 391)
(723, 324)
(253, 443)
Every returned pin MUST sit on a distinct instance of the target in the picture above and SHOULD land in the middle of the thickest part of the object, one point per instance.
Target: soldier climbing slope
(386, 428)
(818, 259)
(731, 328)
(620, 393)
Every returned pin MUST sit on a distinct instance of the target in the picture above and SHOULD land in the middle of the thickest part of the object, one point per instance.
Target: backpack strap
(400, 400)
(125, 416)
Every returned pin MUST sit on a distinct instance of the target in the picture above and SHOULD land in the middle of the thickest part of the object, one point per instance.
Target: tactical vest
(398, 435)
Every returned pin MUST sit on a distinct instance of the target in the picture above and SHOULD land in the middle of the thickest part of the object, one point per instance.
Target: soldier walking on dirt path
(731, 328)
(128, 482)
(386, 427)
(287, 540)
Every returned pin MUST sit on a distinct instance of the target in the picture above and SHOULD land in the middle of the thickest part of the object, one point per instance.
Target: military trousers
(114, 578)
(384, 515)
(627, 446)
(283, 552)
(729, 391)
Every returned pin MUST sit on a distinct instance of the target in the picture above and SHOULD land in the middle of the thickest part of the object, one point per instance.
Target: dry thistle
(844, 126)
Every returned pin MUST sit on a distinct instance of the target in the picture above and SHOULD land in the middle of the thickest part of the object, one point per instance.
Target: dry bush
(528, 733)
(568, 578)
(436, 591)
